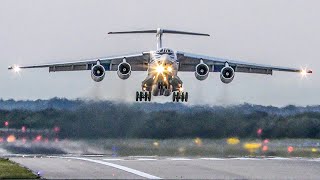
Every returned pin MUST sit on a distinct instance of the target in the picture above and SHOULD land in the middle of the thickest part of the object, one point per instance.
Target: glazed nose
(166, 59)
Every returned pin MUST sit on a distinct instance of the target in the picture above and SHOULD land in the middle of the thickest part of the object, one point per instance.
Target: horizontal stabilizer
(184, 32)
(160, 31)
(133, 32)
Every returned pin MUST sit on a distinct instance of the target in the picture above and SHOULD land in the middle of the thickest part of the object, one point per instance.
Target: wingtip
(10, 68)
(309, 71)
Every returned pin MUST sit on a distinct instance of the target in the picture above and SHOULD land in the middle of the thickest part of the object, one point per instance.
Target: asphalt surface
(84, 167)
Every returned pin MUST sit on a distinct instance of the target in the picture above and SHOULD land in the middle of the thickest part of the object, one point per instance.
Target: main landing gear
(143, 95)
(176, 96)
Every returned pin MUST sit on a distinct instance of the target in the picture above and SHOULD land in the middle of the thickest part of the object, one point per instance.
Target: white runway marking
(113, 159)
(315, 160)
(146, 159)
(179, 159)
(133, 171)
(255, 159)
(279, 158)
(213, 159)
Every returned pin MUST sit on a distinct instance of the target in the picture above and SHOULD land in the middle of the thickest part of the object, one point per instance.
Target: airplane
(162, 66)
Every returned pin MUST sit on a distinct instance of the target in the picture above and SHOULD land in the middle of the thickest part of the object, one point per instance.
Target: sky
(275, 32)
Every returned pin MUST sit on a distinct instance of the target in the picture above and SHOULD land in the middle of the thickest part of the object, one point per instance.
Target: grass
(11, 170)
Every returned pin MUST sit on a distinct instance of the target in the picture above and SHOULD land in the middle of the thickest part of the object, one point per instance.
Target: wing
(188, 62)
(138, 62)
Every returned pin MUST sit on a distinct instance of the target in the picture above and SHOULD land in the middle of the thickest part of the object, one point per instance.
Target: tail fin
(159, 33)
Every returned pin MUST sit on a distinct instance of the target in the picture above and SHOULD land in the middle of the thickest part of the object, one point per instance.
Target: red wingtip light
(309, 71)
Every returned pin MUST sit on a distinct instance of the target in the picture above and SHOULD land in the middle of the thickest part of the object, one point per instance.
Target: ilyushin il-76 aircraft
(162, 66)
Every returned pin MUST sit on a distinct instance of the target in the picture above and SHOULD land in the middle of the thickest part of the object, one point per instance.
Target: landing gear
(176, 96)
(162, 88)
(146, 96)
(186, 96)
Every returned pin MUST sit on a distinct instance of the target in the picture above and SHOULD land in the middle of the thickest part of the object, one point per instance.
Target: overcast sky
(276, 32)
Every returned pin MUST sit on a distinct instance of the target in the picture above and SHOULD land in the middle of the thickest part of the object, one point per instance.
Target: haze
(275, 32)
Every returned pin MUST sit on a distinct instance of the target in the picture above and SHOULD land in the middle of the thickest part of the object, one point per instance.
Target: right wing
(138, 62)
(188, 62)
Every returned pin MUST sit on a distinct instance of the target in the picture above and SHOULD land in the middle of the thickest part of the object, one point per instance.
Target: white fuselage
(162, 73)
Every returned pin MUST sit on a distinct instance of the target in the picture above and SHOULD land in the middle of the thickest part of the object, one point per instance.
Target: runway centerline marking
(133, 171)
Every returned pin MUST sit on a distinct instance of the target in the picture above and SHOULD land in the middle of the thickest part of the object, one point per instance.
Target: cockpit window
(165, 51)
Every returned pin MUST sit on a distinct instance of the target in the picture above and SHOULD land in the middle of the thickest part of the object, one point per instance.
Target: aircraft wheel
(160, 85)
(149, 96)
(182, 96)
(145, 96)
(173, 96)
(141, 95)
(161, 91)
(186, 96)
(178, 97)
(137, 96)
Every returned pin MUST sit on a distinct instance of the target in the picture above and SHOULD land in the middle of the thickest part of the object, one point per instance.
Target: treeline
(110, 120)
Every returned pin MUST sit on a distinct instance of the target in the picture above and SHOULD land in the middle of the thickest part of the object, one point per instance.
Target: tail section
(159, 33)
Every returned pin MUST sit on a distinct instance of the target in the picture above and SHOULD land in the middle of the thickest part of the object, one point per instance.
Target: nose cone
(166, 59)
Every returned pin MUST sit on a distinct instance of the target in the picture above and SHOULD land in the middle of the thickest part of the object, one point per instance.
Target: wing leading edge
(188, 62)
(138, 62)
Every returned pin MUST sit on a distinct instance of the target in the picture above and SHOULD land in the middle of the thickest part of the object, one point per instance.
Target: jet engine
(202, 71)
(124, 70)
(227, 74)
(98, 72)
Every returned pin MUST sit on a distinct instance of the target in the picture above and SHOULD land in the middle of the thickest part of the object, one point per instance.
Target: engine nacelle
(124, 70)
(227, 74)
(98, 73)
(202, 71)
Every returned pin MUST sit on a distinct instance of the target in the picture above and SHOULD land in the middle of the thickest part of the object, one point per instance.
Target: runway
(103, 167)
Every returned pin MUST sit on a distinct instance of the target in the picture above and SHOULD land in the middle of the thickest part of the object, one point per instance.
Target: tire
(178, 97)
(149, 96)
(137, 96)
(141, 95)
(186, 97)
(145, 96)
(182, 96)
(173, 96)
(161, 92)
(159, 85)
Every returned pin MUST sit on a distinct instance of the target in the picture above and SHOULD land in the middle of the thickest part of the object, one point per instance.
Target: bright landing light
(170, 69)
(16, 69)
(160, 69)
(304, 72)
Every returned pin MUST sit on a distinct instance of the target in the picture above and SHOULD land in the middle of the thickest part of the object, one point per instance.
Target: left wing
(188, 62)
(138, 62)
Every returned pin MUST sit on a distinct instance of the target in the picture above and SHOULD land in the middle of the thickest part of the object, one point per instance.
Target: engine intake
(98, 73)
(227, 74)
(202, 71)
(124, 70)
